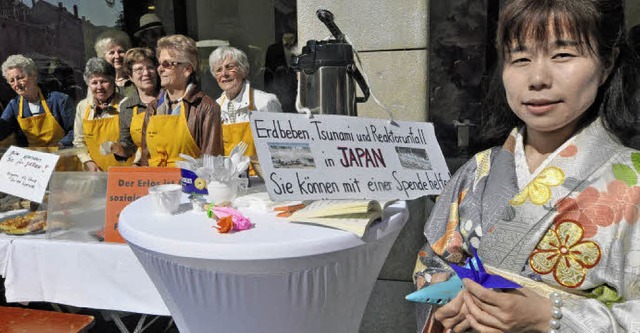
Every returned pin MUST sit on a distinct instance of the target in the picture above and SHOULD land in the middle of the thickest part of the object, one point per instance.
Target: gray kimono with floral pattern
(574, 227)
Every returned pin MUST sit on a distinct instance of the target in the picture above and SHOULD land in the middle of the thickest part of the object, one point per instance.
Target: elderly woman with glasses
(112, 45)
(183, 120)
(230, 67)
(38, 118)
(97, 117)
(142, 64)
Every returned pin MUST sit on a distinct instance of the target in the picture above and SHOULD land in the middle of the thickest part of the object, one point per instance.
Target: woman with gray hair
(111, 45)
(37, 118)
(230, 67)
(97, 117)
(183, 120)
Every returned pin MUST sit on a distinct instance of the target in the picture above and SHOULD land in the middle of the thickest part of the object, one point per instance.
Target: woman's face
(143, 75)
(550, 88)
(22, 83)
(102, 87)
(173, 73)
(115, 55)
(227, 73)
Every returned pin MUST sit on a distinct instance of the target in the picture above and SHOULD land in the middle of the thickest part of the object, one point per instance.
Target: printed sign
(26, 173)
(127, 184)
(340, 157)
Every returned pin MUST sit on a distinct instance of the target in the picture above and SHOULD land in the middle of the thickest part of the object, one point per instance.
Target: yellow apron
(135, 128)
(232, 134)
(167, 137)
(97, 131)
(41, 130)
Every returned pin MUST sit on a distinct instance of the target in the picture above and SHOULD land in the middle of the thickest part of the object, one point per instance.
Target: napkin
(443, 292)
(105, 147)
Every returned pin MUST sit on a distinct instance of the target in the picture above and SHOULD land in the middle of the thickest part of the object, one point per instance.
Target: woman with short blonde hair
(36, 117)
(112, 45)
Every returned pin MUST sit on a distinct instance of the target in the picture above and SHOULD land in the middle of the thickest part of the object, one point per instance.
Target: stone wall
(391, 38)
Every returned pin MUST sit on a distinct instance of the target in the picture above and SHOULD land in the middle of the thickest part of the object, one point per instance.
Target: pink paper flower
(240, 222)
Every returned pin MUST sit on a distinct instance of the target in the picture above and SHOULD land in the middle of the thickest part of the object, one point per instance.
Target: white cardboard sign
(26, 173)
(340, 157)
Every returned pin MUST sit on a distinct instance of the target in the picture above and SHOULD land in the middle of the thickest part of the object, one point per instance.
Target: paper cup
(222, 191)
(166, 198)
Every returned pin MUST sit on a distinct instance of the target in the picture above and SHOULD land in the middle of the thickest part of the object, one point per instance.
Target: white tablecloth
(276, 277)
(83, 274)
(5, 240)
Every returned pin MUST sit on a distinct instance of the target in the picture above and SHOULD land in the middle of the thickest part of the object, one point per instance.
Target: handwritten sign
(26, 173)
(339, 157)
(127, 184)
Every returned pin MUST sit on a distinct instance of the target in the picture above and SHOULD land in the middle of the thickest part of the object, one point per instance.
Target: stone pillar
(391, 37)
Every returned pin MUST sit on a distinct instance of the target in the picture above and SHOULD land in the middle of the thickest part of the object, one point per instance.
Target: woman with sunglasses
(142, 64)
(97, 117)
(183, 120)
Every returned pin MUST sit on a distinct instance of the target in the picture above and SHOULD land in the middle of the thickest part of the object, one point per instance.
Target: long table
(82, 274)
(72, 267)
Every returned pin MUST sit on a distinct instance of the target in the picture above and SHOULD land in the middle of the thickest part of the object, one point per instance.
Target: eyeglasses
(227, 67)
(140, 69)
(170, 64)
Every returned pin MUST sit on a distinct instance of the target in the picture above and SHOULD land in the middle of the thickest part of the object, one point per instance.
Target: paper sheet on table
(25, 173)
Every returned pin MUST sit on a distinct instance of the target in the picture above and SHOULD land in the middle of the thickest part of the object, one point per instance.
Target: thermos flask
(328, 74)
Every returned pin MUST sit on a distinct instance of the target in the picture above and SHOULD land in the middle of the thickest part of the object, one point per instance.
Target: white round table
(276, 277)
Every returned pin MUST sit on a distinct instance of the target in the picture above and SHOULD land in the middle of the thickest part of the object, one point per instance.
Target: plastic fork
(240, 148)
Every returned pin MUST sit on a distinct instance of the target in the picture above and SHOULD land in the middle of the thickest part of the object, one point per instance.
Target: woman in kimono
(555, 208)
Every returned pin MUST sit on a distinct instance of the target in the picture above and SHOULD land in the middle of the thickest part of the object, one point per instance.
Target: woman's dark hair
(598, 27)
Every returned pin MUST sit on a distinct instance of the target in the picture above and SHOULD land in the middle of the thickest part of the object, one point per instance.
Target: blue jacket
(62, 107)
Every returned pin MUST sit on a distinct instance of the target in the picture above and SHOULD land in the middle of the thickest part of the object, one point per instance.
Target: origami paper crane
(443, 292)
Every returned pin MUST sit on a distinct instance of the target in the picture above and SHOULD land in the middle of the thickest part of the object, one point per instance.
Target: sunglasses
(170, 64)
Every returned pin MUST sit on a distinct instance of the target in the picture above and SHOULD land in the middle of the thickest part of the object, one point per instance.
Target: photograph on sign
(338, 157)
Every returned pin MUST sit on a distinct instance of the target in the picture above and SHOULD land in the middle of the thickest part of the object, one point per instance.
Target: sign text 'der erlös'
(339, 157)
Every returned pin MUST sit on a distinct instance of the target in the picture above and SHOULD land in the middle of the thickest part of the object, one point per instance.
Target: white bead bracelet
(556, 312)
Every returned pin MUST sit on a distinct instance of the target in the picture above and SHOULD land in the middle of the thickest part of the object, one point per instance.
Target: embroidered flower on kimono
(623, 200)
(569, 151)
(451, 241)
(539, 189)
(563, 251)
(586, 210)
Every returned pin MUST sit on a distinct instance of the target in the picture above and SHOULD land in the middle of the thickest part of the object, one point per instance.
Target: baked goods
(29, 223)
(10, 202)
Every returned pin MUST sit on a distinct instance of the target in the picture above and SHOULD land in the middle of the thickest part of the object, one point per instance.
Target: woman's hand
(453, 314)
(515, 310)
(92, 166)
(117, 149)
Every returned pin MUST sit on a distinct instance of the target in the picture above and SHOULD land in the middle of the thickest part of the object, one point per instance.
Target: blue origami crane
(443, 292)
